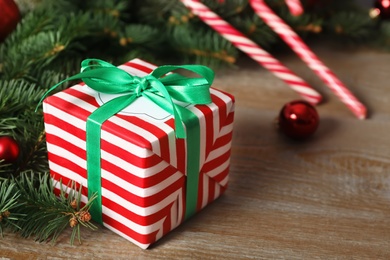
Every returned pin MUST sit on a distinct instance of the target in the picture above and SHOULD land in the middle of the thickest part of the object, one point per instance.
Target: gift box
(145, 184)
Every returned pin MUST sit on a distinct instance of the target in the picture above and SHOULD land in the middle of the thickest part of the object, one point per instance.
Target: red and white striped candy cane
(253, 50)
(295, 7)
(304, 52)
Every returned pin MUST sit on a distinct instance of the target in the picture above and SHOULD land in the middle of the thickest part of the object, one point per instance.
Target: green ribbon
(160, 89)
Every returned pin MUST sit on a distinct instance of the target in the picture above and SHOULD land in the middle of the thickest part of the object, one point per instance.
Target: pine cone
(85, 216)
(6, 214)
(73, 204)
(73, 222)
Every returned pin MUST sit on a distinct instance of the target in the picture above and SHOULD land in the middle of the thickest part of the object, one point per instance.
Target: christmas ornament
(9, 149)
(381, 9)
(298, 119)
(9, 17)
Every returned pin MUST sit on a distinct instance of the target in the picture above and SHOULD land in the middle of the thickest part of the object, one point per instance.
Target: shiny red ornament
(298, 119)
(9, 149)
(9, 17)
(382, 9)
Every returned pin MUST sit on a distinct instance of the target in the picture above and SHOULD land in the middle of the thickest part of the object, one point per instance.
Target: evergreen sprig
(44, 214)
(9, 200)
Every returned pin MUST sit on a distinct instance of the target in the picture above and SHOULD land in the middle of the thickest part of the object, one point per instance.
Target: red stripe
(209, 166)
(139, 66)
(223, 140)
(126, 154)
(77, 92)
(209, 133)
(53, 139)
(68, 107)
(221, 176)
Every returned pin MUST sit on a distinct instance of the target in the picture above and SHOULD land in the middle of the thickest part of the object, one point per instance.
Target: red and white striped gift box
(143, 163)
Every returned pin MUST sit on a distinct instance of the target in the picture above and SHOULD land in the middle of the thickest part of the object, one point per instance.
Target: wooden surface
(325, 198)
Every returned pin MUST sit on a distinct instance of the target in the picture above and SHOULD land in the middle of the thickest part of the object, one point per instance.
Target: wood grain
(325, 198)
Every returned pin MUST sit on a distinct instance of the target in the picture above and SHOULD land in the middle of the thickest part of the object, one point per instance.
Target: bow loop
(159, 84)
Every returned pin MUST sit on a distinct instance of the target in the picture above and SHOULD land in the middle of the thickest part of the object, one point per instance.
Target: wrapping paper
(143, 163)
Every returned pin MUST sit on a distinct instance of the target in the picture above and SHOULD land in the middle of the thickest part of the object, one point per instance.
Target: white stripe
(227, 129)
(62, 171)
(224, 182)
(76, 122)
(59, 151)
(56, 131)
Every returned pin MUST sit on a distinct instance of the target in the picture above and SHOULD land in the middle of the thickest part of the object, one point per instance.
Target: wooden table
(324, 198)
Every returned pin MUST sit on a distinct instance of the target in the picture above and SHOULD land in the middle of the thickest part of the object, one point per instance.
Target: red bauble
(9, 149)
(9, 17)
(298, 119)
(382, 8)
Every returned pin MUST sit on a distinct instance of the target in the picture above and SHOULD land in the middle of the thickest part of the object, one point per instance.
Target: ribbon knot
(141, 84)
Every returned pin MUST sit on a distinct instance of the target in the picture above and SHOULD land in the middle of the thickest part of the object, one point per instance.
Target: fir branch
(48, 215)
(352, 25)
(8, 202)
(227, 8)
(256, 29)
(16, 96)
(205, 47)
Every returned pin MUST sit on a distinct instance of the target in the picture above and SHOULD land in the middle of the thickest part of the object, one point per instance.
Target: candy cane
(295, 7)
(304, 52)
(253, 50)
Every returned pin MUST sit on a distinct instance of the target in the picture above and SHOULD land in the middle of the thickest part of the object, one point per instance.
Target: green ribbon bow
(160, 89)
